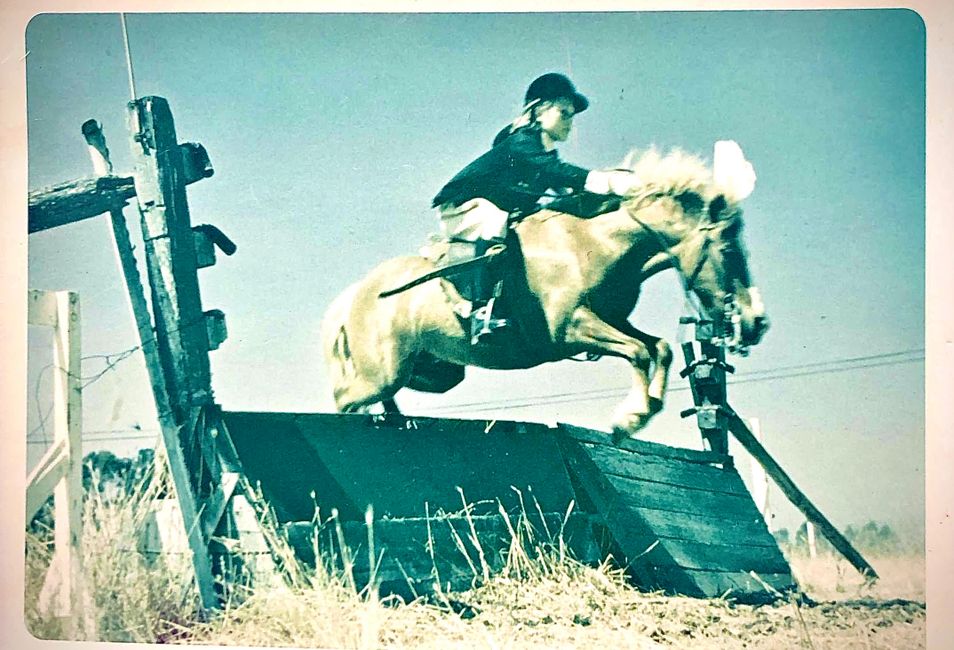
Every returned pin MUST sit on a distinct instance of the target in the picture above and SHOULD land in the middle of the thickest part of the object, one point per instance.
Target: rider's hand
(616, 182)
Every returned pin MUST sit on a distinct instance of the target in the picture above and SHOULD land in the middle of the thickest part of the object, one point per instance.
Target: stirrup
(482, 324)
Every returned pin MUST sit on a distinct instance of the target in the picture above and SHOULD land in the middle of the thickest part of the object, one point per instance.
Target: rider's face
(556, 118)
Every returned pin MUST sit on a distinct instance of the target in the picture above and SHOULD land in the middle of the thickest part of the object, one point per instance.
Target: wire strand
(129, 65)
(757, 376)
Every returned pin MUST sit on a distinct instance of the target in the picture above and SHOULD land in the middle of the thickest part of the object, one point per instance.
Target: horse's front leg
(661, 353)
(588, 330)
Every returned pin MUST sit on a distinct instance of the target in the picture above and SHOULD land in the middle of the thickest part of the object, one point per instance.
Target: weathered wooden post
(707, 379)
(217, 502)
(185, 334)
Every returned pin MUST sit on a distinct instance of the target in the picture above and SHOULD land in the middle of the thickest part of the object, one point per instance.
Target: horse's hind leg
(360, 383)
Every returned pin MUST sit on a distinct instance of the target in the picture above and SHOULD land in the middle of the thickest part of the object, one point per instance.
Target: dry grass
(128, 595)
(542, 600)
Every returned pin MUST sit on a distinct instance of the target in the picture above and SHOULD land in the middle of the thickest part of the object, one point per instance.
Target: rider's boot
(486, 290)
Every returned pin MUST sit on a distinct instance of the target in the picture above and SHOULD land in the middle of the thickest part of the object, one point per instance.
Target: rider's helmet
(554, 85)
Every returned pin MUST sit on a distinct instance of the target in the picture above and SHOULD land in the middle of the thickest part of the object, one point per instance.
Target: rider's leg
(486, 278)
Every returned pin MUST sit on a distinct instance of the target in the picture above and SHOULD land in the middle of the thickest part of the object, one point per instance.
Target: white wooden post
(759, 477)
(60, 470)
(810, 534)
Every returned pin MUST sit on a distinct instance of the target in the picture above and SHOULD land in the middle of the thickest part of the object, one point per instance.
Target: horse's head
(715, 263)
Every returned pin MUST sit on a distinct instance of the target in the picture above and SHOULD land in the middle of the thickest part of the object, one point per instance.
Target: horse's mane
(673, 174)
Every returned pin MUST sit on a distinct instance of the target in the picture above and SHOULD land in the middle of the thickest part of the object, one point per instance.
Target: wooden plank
(413, 552)
(666, 470)
(637, 494)
(44, 477)
(62, 582)
(216, 504)
(739, 429)
(711, 529)
(77, 200)
(644, 446)
(699, 555)
(636, 540)
(399, 469)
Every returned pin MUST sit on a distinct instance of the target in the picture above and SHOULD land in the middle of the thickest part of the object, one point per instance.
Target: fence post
(60, 470)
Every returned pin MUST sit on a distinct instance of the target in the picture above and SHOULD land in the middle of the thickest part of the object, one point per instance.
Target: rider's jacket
(514, 174)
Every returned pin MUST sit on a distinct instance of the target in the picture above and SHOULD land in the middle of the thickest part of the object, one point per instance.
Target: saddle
(456, 265)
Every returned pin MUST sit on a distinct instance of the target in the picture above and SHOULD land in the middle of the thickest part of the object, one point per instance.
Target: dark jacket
(514, 174)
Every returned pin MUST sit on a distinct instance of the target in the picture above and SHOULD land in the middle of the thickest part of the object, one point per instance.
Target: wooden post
(170, 255)
(797, 497)
(184, 333)
(99, 154)
(707, 380)
(61, 467)
(810, 535)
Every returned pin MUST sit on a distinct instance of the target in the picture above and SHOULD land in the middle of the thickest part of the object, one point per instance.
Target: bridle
(732, 312)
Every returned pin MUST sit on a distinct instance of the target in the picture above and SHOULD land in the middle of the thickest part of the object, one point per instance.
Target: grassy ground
(543, 600)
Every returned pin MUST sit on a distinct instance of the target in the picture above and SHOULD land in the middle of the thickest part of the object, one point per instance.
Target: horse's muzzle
(753, 329)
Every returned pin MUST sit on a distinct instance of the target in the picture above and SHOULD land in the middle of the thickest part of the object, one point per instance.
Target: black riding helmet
(554, 85)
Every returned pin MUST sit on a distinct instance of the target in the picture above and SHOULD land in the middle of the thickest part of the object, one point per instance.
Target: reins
(731, 310)
(687, 281)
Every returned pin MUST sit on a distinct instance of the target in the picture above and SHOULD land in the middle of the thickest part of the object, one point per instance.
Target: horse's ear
(716, 206)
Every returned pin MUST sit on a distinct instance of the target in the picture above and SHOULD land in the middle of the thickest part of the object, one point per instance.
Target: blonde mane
(675, 173)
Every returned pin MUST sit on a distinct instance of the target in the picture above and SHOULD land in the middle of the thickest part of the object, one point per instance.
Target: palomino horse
(570, 290)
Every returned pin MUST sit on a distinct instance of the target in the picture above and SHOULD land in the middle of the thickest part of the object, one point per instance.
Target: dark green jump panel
(404, 468)
(679, 520)
(682, 520)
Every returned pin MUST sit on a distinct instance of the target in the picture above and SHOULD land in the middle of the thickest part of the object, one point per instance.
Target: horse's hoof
(628, 426)
(655, 405)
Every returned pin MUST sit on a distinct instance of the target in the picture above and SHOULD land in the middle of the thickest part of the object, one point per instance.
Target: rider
(506, 183)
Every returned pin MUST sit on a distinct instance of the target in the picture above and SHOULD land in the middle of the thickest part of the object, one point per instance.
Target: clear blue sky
(330, 133)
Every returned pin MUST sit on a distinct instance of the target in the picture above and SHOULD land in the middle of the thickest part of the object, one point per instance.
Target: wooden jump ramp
(678, 520)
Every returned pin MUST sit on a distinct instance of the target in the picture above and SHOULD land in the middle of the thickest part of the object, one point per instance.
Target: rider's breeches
(472, 220)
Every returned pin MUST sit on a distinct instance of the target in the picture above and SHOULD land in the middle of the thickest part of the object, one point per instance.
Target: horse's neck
(609, 250)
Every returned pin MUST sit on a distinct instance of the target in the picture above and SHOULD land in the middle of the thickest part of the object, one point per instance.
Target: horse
(570, 288)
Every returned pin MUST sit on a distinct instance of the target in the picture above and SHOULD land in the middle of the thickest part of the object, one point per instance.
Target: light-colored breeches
(472, 220)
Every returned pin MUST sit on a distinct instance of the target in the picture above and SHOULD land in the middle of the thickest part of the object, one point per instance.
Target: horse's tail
(334, 339)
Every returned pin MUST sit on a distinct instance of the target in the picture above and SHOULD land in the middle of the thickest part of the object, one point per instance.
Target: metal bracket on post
(707, 375)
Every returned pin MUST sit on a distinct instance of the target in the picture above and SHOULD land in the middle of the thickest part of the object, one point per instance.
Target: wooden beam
(77, 200)
(84, 198)
(742, 433)
(44, 477)
(64, 574)
(160, 193)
